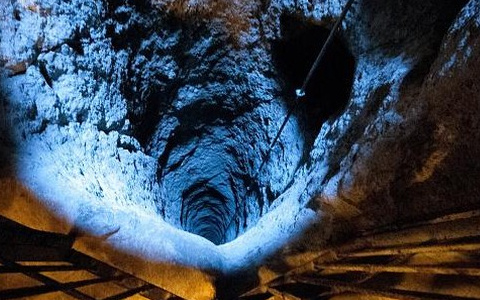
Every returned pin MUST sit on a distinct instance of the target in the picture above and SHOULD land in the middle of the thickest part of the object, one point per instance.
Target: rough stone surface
(150, 120)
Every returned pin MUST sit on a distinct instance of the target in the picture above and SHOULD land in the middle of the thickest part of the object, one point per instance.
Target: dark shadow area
(405, 26)
(135, 32)
(230, 286)
(147, 115)
(7, 149)
(329, 89)
(302, 291)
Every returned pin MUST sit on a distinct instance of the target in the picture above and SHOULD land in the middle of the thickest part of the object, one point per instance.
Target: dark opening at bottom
(206, 212)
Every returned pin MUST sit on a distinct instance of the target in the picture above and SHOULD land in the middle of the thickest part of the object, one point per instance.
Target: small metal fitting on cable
(300, 93)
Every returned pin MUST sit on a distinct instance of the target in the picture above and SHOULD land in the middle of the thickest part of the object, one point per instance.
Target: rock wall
(149, 119)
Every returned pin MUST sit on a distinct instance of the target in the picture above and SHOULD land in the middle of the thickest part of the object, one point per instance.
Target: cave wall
(149, 118)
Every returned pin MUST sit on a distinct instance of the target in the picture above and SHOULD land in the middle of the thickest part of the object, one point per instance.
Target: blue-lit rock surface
(146, 122)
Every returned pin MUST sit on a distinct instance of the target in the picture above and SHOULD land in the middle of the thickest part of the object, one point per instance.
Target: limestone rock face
(152, 119)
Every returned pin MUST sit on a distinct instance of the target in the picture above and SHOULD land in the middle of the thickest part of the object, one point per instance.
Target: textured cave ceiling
(151, 119)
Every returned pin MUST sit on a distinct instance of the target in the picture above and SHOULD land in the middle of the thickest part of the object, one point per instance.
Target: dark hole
(16, 15)
(122, 17)
(43, 70)
(329, 89)
(147, 115)
(76, 45)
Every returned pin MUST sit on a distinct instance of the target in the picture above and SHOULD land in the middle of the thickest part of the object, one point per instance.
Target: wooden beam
(283, 295)
(37, 269)
(423, 269)
(341, 287)
(102, 269)
(413, 249)
(32, 253)
(13, 233)
(442, 219)
(20, 243)
(434, 233)
(50, 284)
(131, 292)
(58, 287)
(450, 233)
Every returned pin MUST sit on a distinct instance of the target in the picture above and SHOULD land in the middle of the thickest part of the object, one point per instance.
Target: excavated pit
(124, 118)
(206, 117)
(178, 91)
(191, 107)
(193, 110)
(220, 198)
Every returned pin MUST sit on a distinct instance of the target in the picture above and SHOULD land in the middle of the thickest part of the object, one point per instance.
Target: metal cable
(299, 93)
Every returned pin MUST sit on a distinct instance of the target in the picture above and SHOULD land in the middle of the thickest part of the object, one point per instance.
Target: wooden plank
(102, 269)
(259, 290)
(442, 219)
(131, 292)
(20, 243)
(263, 296)
(423, 269)
(431, 233)
(37, 269)
(13, 233)
(451, 233)
(32, 253)
(49, 283)
(414, 249)
(282, 295)
(64, 287)
(339, 287)
(159, 294)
